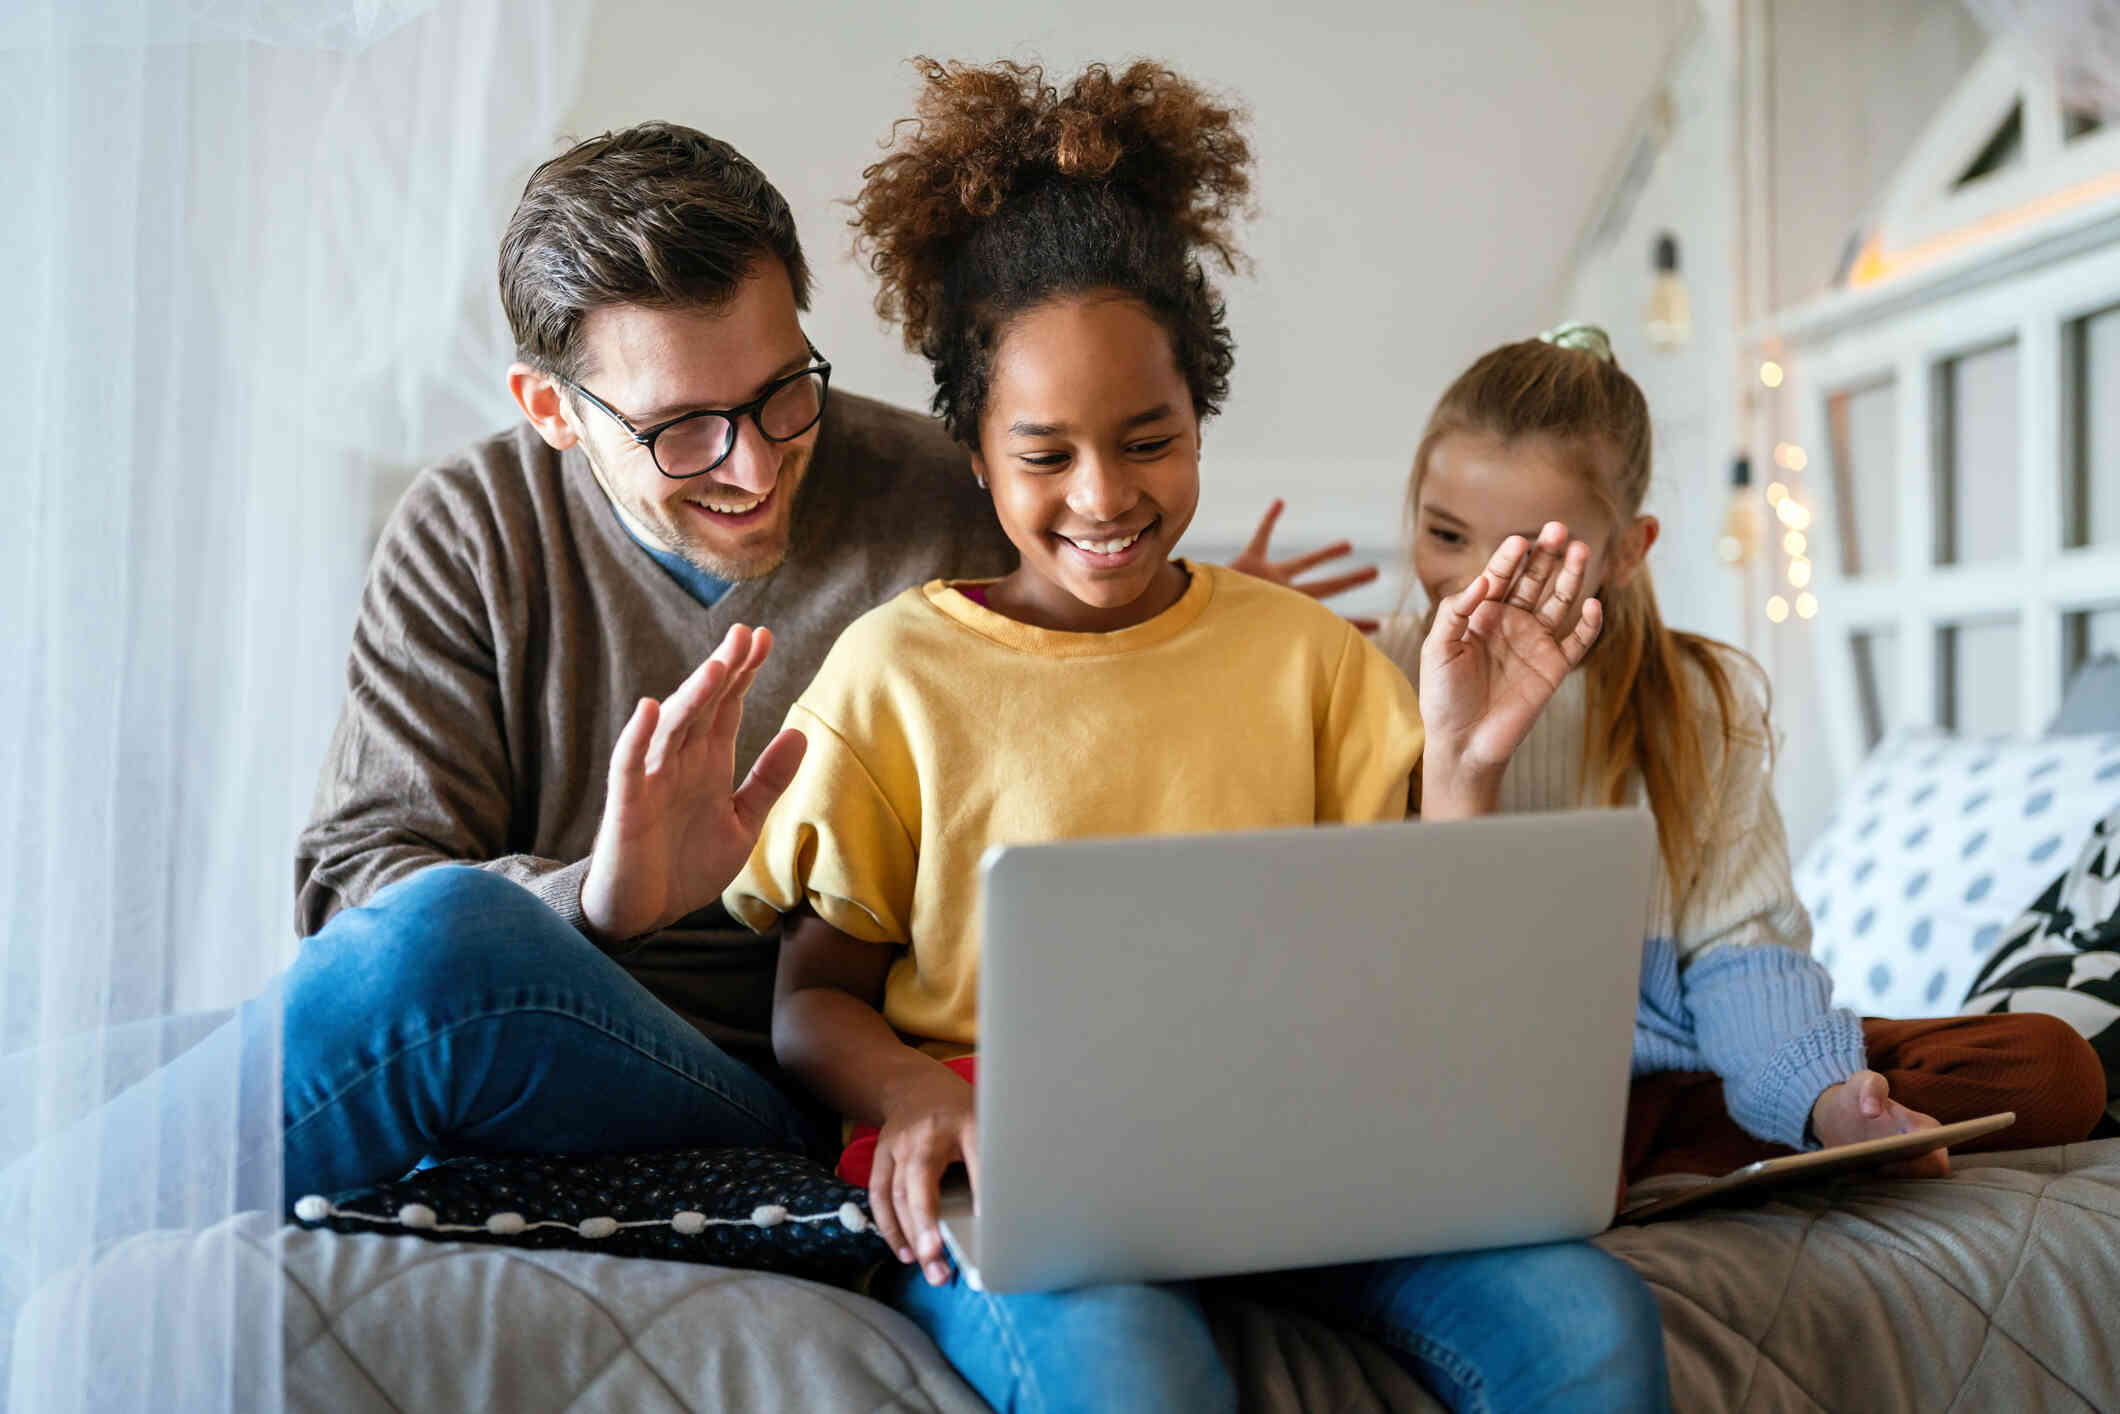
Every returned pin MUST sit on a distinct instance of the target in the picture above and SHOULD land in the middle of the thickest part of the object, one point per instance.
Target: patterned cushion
(1937, 845)
(753, 1208)
(2063, 956)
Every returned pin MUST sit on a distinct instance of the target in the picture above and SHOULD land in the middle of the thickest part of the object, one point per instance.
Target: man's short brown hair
(657, 215)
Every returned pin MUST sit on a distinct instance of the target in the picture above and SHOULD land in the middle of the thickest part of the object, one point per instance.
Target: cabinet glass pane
(1876, 655)
(1861, 422)
(1977, 670)
(2091, 500)
(2088, 634)
(1976, 457)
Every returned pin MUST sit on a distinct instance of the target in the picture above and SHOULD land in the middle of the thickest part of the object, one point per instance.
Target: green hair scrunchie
(1588, 338)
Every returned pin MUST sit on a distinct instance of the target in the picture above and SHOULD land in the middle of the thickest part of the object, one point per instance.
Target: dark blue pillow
(755, 1208)
(2092, 703)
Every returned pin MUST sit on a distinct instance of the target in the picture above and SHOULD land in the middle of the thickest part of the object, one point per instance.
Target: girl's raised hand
(1493, 659)
(1256, 561)
(923, 1133)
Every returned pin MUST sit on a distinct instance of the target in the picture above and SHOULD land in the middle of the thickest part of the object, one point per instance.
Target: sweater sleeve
(1761, 1006)
(1370, 738)
(417, 772)
(835, 842)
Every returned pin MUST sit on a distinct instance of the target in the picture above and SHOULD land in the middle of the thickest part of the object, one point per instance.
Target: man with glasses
(510, 883)
(550, 684)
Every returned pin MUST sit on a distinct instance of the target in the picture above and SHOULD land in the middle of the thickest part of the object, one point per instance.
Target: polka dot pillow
(755, 1208)
(1937, 844)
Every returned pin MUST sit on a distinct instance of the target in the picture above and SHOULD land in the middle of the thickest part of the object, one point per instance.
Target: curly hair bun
(1003, 188)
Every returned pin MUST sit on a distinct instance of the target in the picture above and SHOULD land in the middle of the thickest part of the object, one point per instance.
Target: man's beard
(669, 524)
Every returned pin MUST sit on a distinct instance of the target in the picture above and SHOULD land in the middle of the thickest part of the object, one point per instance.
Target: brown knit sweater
(509, 625)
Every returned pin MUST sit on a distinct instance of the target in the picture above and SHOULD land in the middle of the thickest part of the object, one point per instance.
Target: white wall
(1423, 170)
(1848, 90)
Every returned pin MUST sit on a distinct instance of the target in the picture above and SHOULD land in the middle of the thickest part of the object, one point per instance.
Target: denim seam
(1434, 1352)
(1028, 1391)
(546, 1009)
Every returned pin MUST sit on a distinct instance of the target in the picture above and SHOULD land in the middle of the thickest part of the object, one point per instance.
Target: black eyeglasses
(697, 442)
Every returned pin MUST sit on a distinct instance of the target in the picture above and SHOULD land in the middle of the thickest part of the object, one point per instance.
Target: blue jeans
(456, 1014)
(1562, 1327)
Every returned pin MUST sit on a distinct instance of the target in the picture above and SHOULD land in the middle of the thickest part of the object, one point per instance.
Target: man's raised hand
(674, 832)
(1256, 561)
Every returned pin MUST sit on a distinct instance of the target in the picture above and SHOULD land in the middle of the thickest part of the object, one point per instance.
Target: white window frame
(2030, 291)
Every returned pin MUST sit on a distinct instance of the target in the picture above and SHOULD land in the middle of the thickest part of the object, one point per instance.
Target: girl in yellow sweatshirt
(1045, 251)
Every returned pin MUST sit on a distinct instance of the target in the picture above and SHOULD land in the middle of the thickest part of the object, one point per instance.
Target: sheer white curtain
(245, 285)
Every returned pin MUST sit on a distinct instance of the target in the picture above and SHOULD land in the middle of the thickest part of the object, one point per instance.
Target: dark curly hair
(657, 214)
(1004, 193)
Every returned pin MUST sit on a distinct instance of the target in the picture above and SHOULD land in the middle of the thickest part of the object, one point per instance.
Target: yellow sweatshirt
(938, 728)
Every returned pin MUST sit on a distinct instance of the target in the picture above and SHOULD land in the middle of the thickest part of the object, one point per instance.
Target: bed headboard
(1960, 420)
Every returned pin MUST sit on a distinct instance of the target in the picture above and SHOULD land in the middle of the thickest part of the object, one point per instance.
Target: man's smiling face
(653, 364)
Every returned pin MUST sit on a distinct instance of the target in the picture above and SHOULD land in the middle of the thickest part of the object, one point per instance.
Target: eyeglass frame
(754, 409)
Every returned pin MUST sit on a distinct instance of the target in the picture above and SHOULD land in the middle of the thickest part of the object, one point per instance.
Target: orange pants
(1952, 1067)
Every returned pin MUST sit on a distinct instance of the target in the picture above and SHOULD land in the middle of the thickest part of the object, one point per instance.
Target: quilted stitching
(1796, 1232)
(636, 1330)
(1753, 1300)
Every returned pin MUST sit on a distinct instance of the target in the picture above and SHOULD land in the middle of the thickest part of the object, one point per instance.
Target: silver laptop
(1241, 1052)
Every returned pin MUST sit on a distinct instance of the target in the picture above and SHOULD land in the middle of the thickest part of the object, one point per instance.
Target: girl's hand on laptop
(674, 832)
(1861, 1107)
(926, 1128)
(1494, 657)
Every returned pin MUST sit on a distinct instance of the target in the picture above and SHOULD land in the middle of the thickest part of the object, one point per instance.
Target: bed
(1949, 1284)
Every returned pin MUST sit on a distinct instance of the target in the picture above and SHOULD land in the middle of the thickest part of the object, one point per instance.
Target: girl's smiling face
(1480, 489)
(1090, 447)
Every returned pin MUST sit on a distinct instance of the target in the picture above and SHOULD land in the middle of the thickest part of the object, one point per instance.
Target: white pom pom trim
(419, 1217)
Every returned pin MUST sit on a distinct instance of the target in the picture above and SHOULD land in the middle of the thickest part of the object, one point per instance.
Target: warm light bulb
(1794, 543)
(1799, 572)
(1798, 459)
(1739, 541)
(1776, 493)
(1770, 374)
(1670, 324)
(1799, 519)
(1788, 510)
(1806, 605)
(1777, 608)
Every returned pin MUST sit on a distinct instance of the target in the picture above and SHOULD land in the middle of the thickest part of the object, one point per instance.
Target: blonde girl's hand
(930, 1126)
(1255, 562)
(1861, 1107)
(1494, 657)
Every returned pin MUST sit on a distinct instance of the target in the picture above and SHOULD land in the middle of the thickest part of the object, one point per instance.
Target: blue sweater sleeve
(1764, 1020)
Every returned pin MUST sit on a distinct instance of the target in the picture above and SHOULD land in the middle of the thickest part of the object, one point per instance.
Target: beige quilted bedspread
(1995, 1290)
